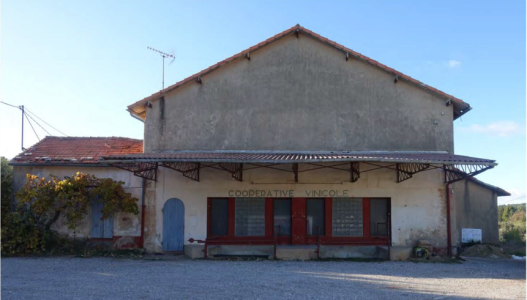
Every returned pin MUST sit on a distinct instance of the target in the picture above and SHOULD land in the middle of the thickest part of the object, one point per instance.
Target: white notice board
(470, 234)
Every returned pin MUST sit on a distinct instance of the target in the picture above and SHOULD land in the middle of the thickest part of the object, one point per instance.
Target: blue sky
(78, 64)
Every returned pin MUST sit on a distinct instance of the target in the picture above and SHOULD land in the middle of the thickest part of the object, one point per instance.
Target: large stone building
(299, 147)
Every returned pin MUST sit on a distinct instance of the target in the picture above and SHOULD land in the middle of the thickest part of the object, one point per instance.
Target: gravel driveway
(106, 278)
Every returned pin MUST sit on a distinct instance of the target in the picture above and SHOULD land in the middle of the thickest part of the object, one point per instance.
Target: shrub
(6, 173)
(42, 201)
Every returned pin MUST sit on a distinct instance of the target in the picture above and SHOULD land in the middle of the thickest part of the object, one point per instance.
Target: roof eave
(31, 164)
(113, 161)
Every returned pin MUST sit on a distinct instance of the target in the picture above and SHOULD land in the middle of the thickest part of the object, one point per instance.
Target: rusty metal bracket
(188, 169)
(406, 171)
(145, 170)
(455, 173)
(236, 170)
(354, 171)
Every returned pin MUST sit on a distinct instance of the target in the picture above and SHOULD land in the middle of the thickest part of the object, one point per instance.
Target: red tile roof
(302, 157)
(77, 150)
(460, 107)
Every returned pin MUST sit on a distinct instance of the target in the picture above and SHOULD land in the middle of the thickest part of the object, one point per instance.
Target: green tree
(518, 216)
(506, 214)
(6, 173)
(500, 213)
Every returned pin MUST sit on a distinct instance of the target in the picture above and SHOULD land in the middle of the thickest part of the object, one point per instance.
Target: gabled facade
(299, 92)
(301, 148)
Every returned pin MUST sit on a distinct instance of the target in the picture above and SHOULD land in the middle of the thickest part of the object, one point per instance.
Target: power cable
(512, 200)
(32, 127)
(38, 124)
(10, 104)
(45, 122)
(31, 115)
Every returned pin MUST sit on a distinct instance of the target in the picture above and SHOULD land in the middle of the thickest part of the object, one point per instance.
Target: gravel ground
(106, 278)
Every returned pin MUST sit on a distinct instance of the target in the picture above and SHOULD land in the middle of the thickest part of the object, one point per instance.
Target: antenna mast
(163, 55)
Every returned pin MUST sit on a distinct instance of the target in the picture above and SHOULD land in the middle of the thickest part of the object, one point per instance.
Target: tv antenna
(163, 55)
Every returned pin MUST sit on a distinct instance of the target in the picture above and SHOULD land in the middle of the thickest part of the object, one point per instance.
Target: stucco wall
(418, 204)
(474, 206)
(124, 224)
(299, 94)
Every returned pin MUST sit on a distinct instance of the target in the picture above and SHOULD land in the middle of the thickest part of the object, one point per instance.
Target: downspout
(448, 226)
(143, 206)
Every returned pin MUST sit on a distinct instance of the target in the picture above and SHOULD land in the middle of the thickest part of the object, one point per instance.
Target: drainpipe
(449, 234)
(143, 213)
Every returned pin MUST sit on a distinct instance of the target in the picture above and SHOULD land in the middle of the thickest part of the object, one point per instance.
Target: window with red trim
(219, 217)
(315, 216)
(249, 214)
(347, 217)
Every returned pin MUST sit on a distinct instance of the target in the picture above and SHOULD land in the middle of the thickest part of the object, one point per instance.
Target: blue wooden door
(173, 225)
(100, 228)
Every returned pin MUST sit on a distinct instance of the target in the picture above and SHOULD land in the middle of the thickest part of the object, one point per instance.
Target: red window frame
(298, 226)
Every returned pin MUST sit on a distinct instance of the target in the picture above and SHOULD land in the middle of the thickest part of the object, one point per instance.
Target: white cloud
(452, 64)
(499, 128)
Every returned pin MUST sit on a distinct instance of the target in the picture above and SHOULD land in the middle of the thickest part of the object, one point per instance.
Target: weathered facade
(299, 94)
(299, 148)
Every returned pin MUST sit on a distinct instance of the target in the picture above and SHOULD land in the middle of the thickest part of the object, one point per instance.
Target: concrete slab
(400, 252)
(374, 252)
(307, 252)
(240, 250)
(194, 251)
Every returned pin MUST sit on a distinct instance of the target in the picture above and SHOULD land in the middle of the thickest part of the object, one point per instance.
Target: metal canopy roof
(406, 164)
(288, 157)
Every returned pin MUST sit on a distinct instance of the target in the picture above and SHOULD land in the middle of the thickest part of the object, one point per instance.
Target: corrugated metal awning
(189, 163)
(281, 157)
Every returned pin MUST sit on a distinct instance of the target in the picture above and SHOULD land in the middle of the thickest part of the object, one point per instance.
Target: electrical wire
(39, 124)
(32, 113)
(32, 127)
(10, 104)
(513, 200)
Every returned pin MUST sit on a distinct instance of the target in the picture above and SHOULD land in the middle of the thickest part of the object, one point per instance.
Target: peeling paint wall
(418, 204)
(124, 224)
(299, 94)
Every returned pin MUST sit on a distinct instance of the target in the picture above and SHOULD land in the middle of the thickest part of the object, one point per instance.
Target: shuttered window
(250, 216)
(347, 217)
